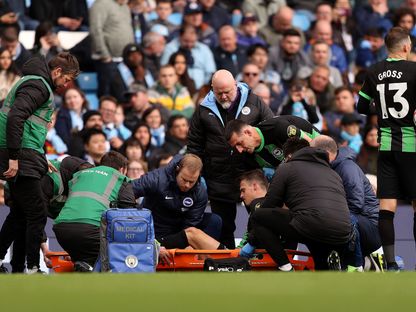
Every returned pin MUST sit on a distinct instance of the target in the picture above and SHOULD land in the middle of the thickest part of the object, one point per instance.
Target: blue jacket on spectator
(172, 209)
(360, 195)
(366, 57)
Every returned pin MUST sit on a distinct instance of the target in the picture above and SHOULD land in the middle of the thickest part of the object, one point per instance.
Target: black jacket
(315, 196)
(172, 209)
(173, 145)
(232, 62)
(29, 96)
(206, 139)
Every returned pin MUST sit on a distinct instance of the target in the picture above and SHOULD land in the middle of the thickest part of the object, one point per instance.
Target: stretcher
(193, 260)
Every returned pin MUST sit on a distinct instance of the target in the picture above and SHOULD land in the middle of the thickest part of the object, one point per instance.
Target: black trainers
(393, 267)
(82, 267)
(334, 261)
(3, 269)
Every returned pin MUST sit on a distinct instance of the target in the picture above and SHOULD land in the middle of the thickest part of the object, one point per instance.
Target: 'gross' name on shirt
(390, 74)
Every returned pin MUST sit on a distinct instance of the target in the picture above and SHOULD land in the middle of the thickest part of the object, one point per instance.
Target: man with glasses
(228, 100)
(250, 75)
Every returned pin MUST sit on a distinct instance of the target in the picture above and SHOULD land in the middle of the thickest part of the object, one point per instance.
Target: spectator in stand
(123, 133)
(176, 136)
(140, 27)
(9, 73)
(214, 15)
(288, 59)
(192, 15)
(367, 158)
(65, 15)
(108, 109)
(280, 22)
(344, 104)
(171, 94)
(16, 10)
(138, 103)
(406, 18)
(372, 49)
(298, 103)
(7, 15)
(259, 55)
(350, 131)
(46, 41)
(373, 15)
(153, 46)
(91, 119)
(69, 119)
(199, 58)
(95, 146)
(54, 145)
(263, 9)
(322, 87)
(250, 75)
(345, 27)
(136, 169)
(163, 10)
(229, 55)
(133, 150)
(131, 70)
(10, 41)
(320, 55)
(153, 118)
(323, 32)
(248, 35)
(263, 91)
(111, 31)
(178, 61)
(142, 133)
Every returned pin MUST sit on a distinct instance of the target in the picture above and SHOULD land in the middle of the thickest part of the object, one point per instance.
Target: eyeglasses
(251, 74)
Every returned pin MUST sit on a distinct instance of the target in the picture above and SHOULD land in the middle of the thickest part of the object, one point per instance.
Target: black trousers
(80, 240)
(227, 211)
(272, 226)
(27, 217)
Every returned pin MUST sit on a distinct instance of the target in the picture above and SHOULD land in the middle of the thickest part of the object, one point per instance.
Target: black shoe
(393, 267)
(334, 261)
(3, 269)
(83, 267)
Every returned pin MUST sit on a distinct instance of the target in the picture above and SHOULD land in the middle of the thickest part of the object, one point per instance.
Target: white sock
(286, 267)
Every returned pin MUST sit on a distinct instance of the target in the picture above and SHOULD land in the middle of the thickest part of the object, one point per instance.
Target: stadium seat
(88, 83)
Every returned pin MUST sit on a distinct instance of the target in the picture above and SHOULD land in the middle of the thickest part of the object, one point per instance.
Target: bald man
(323, 31)
(228, 100)
(228, 54)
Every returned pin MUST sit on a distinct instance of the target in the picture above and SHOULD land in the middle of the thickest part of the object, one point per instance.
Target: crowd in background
(154, 61)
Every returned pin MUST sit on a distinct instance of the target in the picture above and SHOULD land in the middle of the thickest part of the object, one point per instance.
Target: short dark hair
(255, 175)
(107, 98)
(294, 144)
(90, 132)
(396, 37)
(234, 126)
(375, 32)
(253, 48)
(172, 120)
(403, 12)
(185, 28)
(114, 160)
(164, 1)
(150, 110)
(342, 89)
(291, 32)
(67, 62)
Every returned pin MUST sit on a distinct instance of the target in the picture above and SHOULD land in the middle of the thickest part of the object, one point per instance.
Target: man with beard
(228, 100)
(24, 116)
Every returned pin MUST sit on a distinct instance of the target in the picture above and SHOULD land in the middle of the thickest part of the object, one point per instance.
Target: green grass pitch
(252, 291)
